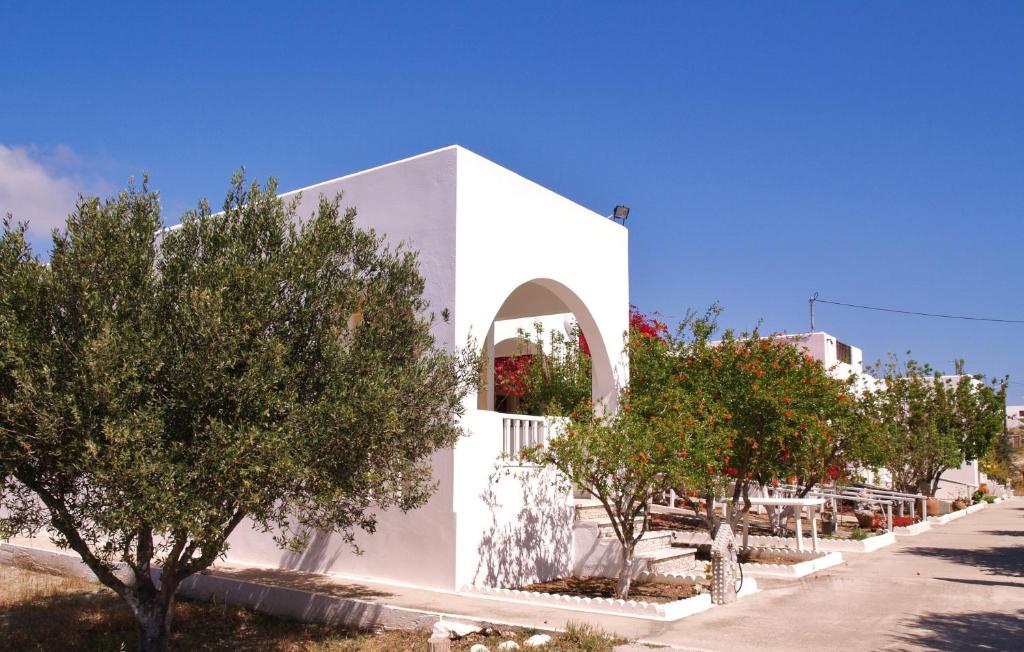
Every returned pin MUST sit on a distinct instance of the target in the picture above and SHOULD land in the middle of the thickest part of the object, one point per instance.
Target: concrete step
(590, 509)
(670, 560)
(605, 526)
(650, 540)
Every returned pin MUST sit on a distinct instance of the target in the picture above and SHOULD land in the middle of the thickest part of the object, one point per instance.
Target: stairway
(598, 551)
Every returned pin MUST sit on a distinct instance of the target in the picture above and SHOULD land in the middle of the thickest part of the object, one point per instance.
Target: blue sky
(870, 151)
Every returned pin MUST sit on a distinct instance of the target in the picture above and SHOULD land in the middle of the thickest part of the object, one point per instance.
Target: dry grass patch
(49, 613)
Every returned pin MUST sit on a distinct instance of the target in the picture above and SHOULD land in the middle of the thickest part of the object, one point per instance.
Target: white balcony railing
(520, 431)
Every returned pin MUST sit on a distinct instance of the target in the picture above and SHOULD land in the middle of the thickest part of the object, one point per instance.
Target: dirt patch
(604, 587)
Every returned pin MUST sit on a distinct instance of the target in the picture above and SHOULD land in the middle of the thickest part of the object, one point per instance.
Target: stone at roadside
(508, 645)
(537, 640)
(452, 629)
(479, 648)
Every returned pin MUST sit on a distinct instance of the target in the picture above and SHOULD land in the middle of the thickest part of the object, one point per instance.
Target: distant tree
(932, 423)
(158, 390)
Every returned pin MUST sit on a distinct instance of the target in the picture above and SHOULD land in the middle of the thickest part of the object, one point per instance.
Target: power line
(814, 299)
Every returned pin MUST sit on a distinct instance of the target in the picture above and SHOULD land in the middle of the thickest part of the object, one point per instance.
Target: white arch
(545, 296)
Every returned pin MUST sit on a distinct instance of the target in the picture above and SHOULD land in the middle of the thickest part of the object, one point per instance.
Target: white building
(497, 251)
(1014, 416)
(841, 360)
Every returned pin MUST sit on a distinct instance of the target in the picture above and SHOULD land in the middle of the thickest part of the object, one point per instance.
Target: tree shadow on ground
(980, 630)
(1004, 533)
(99, 620)
(959, 580)
(1007, 561)
(312, 582)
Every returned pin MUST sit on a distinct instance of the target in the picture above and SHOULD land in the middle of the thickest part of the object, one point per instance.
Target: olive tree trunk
(153, 615)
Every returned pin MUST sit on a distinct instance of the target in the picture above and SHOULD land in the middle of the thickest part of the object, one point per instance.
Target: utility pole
(814, 297)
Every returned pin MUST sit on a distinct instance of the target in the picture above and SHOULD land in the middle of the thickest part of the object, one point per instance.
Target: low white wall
(415, 548)
(514, 523)
(958, 482)
(594, 556)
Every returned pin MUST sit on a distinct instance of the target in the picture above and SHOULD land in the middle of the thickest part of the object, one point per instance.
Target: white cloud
(34, 188)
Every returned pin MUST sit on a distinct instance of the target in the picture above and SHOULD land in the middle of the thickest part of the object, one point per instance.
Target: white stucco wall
(411, 201)
(482, 232)
(511, 231)
(514, 522)
(962, 481)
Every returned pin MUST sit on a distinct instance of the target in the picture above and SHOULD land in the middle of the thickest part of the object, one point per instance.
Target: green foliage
(157, 388)
(624, 460)
(858, 534)
(930, 423)
(769, 410)
(702, 415)
(997, 462)
(557, 381)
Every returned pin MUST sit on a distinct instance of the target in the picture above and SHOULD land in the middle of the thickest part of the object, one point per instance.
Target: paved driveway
(959, 586)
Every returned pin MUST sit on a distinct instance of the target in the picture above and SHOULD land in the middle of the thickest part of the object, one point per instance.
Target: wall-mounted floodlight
(620, 213)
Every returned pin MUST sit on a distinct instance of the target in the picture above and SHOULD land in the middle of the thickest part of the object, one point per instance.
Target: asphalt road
(959, 586)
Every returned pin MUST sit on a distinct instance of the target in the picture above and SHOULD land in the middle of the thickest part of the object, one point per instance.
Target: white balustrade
(520, 431)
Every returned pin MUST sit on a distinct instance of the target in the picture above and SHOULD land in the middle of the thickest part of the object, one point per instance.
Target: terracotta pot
(933, 507)
(983, 488)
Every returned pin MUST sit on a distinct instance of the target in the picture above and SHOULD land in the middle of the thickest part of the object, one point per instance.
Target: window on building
(844, 353)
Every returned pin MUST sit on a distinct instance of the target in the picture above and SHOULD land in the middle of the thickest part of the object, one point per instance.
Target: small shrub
(587, 638)
(859, 535)
(989, 498)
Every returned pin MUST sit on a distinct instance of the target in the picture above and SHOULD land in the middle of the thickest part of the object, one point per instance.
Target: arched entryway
(556, 307)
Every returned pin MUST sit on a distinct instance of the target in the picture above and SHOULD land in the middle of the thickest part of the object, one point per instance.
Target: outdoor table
(812, 505)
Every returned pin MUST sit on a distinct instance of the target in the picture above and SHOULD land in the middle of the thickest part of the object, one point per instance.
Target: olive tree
(160, 387)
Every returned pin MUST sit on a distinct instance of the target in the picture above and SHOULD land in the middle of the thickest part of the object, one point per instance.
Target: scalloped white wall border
(813, 562)
(629, 608)
(761, 541)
